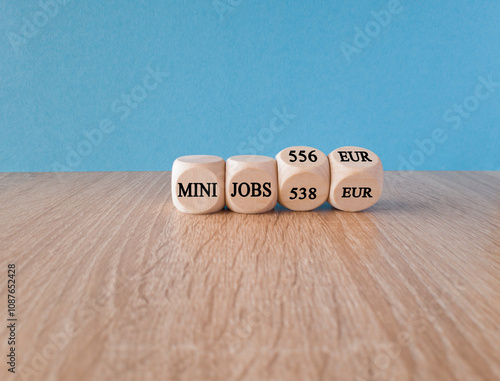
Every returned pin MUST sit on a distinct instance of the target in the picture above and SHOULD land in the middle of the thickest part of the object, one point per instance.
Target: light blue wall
(233, 65)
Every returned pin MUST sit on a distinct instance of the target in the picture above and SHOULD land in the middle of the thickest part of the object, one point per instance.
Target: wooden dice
(357, 178)
(198, 184)
(303, 177)
(251, 184)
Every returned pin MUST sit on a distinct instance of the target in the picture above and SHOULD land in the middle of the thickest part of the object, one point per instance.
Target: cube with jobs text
(251, 184)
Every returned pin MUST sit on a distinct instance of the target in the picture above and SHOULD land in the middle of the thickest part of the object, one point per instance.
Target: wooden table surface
(114, 284)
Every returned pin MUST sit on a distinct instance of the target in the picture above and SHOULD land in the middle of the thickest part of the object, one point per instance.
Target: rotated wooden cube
(198, 184)
(251, 184)
(357, 178)
(303, 178)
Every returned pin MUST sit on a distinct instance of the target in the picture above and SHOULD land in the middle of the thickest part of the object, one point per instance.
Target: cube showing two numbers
(304, 178)
(300, 178)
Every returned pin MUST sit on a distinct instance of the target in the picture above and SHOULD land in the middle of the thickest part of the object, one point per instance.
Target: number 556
(302, 156)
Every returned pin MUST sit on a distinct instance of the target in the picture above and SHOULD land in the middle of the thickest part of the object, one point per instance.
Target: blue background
(230, 64)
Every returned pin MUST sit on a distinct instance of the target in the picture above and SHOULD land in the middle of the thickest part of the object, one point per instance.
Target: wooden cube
(357, 178)
(198, 184)
(251, 184)
(303, 178)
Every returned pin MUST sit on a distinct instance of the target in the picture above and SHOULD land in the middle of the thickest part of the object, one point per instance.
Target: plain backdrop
(418, 83)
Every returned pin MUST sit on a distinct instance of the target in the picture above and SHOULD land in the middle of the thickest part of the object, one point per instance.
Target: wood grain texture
(114, 284)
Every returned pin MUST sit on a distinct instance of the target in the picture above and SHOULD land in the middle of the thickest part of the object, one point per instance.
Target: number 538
(301, 193)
